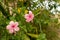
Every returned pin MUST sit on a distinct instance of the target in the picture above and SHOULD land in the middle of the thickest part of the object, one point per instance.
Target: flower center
(29, 16)
(13, 26)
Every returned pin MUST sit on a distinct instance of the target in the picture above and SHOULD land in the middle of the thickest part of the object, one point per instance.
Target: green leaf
(26, 37)
(42, 36)
(33, 35)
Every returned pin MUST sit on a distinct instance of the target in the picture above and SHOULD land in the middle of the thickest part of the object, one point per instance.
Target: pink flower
(12, 27)
(29, 17)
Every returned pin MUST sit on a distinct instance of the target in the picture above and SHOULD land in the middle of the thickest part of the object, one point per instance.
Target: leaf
(26, 37)
(42, 36)
(33, 35)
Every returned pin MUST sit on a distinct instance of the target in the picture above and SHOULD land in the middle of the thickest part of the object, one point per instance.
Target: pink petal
(16, 24)
(11, 31)
(8, 27)
(26, 16)
(16, 28)
(32, 15)
(28, 20)
(30, 12)
(11, 23)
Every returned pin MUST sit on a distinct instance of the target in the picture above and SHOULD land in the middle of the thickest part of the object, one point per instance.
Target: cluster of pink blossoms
(13, 26)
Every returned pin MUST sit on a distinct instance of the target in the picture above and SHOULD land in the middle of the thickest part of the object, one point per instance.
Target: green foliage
(42, 36)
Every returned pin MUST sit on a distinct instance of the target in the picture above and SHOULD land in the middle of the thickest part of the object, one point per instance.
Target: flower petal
(8, 27)
(32, 15)
(28, 20)
(16, 24)
(26, 16)
(11, 31)
(16, 28)
(11, 23)
(30, 12)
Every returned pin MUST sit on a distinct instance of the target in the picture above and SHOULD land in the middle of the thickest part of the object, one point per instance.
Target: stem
(37, 14)
(40, 28)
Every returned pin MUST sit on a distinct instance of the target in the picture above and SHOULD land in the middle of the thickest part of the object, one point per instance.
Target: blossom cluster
(12, 27)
